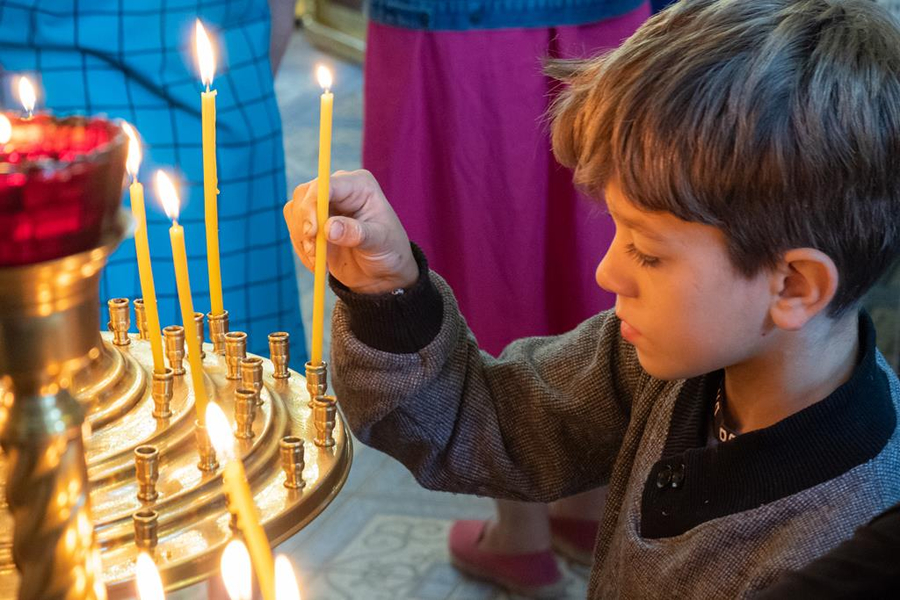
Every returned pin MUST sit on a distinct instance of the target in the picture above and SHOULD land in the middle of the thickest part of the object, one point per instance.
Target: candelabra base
(193, 521)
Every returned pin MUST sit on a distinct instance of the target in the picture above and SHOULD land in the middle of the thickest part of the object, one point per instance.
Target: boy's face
(683, 306)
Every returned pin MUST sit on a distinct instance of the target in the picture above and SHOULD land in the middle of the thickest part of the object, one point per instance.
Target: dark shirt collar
(814, 445)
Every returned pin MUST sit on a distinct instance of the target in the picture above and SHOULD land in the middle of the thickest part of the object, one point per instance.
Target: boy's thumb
(335, 231)
(350, 233)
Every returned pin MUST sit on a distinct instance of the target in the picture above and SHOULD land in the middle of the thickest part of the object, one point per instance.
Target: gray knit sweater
(553, 416)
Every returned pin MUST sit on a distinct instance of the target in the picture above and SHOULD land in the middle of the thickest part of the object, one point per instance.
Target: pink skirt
(456, 132)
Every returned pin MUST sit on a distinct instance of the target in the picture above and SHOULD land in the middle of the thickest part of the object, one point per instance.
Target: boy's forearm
(544, 420)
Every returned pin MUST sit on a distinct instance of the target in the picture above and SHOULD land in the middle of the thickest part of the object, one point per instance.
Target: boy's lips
(629, 332)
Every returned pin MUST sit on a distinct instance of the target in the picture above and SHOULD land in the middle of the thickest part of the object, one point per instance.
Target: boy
(734, 401)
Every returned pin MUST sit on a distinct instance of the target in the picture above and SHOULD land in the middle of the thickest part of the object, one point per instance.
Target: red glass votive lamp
(60, 186)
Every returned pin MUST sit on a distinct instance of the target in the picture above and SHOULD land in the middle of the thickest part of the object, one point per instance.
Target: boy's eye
(643, 259)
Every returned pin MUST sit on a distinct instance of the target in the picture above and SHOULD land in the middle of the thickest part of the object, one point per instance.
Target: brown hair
(777, 121)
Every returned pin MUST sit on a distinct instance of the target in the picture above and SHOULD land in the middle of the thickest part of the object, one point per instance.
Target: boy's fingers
(308, 257)
(300, 190)
(297, 226)
(288, 211)
(351, 233)
(305, 218)
(350, 191)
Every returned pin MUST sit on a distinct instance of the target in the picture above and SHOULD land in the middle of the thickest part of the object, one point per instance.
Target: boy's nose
(610, 277)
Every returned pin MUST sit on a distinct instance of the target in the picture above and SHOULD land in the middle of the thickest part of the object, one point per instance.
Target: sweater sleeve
(543, 420)
(865, 566)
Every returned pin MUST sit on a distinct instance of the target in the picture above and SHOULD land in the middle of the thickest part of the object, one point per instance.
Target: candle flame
(149, 584)
(27, 94)
(286, 587)
(5, 129)
(133, 164)
(205, 56)
(219, 431)
(165, 190)
(323, 74)
(237, 572)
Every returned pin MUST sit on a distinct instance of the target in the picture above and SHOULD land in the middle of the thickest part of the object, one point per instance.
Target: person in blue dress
(135, 61)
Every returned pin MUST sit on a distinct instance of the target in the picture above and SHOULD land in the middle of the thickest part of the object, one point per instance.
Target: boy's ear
(803, 284)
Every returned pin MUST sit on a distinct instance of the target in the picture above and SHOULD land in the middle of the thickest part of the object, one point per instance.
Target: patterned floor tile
(397, 557)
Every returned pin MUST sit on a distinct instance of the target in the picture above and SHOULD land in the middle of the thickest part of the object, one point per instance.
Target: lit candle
(149, 584)
(210, 176)
(326, 101)
(27, 95)
(240, 500)
(142, 248)
(237, 574)
(285, 581)
(166, 192)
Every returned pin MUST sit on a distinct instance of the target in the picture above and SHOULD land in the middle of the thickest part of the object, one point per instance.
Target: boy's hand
(368, 250)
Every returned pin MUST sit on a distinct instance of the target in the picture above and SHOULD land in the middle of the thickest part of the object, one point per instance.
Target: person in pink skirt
(455, 131)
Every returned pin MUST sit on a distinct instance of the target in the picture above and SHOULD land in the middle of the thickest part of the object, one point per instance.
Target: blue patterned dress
(135, 60)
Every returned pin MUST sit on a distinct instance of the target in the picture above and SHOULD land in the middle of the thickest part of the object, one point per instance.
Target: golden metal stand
(89, 437)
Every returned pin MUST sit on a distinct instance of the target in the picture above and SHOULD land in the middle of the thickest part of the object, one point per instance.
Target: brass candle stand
(145, 476)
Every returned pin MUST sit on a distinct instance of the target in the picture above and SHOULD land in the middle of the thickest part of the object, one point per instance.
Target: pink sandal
(535, 575)
(574, 538)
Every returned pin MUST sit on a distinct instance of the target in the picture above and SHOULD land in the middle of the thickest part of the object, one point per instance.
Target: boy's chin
(667, 369)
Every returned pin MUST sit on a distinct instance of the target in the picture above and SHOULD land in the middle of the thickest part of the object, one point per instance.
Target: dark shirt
(865, 566)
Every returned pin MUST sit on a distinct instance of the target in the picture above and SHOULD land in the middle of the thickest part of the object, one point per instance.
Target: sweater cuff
(400, 322)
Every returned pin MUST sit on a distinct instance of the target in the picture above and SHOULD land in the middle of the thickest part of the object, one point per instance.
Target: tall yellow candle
(210, 174)
(142, 249)
(240, 500)
(326, 102)
(169, 197)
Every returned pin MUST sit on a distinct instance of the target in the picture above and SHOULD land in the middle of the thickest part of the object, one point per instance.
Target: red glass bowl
(61, 184)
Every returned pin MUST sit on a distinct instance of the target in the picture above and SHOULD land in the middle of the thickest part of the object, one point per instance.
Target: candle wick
(207, 88)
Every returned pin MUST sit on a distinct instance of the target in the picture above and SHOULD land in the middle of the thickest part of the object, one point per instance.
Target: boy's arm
(543, 420)
(865, 566)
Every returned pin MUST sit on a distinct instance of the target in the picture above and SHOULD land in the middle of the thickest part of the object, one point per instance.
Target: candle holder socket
(140, 318)
(280, 353)
(146, 468)
(174, 336)
(252, 376)
(205, 450)
(324, 410)
(146, 530)
(119, 320)
(235, 351)
(218, 327)
(316, 381)
(198, 322)
(161, 391)
(244, 412)
(292, 462)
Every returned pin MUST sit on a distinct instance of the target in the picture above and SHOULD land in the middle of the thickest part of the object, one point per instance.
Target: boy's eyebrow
(631, 224)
